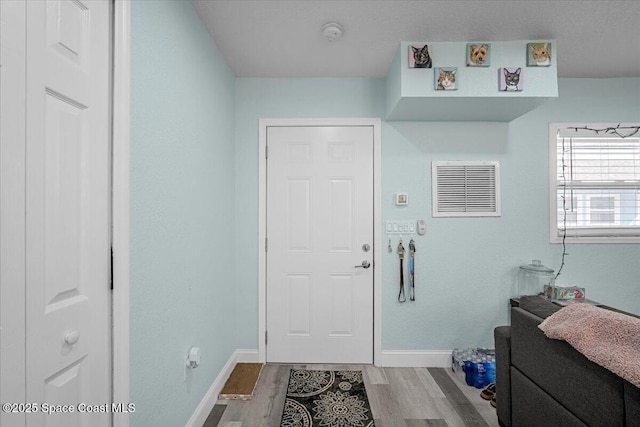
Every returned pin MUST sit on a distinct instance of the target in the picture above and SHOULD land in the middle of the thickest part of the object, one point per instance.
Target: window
(595, 182)
(465, 188)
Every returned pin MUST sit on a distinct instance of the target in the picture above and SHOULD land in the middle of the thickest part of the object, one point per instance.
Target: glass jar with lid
(532, 278)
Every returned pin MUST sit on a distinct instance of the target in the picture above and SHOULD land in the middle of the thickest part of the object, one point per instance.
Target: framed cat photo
(420, 56)
(478, 54)
(446, 78)
(538, 54)
(511, 79)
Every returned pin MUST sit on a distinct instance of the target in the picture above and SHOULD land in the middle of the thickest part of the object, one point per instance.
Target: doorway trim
(121, 205)
(376, 123)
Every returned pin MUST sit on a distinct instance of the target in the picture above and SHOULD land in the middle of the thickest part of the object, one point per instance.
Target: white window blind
(465, 188)
(596, 182)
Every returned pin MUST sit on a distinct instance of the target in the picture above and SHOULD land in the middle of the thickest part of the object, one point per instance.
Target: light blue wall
(273, 98)
(194, 209)
(182, 211)
(465, 266)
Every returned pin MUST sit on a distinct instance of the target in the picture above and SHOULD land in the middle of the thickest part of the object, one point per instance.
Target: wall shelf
(411, 93)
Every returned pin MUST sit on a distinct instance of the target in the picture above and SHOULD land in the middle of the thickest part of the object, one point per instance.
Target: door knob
(365, 264)
(71, 337)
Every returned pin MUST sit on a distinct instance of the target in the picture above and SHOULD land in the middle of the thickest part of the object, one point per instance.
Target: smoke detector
(332, 31)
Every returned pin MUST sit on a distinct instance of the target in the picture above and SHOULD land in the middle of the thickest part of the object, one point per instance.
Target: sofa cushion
(591, 392)
(533, 407)
(537, 305)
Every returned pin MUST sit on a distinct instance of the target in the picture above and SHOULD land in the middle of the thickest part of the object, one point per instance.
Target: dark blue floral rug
(326, 398)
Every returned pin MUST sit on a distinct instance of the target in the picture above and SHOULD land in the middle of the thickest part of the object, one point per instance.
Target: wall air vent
(465, 188)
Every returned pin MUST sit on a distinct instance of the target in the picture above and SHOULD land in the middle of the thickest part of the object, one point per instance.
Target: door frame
(376, 123)
(120, 207)
(13, 206)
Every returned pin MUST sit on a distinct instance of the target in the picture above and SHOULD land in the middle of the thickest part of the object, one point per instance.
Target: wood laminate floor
(399, 397)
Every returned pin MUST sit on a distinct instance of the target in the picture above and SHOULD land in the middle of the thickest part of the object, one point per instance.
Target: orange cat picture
(539, 54)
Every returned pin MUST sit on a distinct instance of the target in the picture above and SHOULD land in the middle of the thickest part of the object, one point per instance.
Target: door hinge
(266, 244)
(266, 151)
(111, 275)
(265, 337)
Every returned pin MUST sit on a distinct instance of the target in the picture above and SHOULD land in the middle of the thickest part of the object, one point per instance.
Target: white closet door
(67, 205)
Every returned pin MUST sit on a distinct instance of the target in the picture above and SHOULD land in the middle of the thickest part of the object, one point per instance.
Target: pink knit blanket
(610, 339)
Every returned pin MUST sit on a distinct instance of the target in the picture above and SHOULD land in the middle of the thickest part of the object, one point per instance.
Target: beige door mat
(242, 382)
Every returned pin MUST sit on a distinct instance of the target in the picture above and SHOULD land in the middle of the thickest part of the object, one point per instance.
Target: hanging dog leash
(401, 297)
(412, 278)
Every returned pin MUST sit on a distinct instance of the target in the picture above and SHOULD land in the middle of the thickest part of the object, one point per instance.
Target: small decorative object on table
(533, 278)
(554, 292)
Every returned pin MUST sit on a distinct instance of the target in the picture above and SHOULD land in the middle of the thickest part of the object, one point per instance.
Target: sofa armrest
(588, 390)
(502, 338)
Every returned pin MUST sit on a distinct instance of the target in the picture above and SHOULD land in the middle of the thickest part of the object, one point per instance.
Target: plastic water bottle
(490, 371)
(455, 360)
(479, 380)
(468, 371)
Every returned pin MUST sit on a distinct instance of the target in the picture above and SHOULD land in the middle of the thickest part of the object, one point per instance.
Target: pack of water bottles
(477, 365)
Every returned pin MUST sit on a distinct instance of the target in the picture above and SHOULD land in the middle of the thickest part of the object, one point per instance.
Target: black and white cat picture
(511, 79)
(419, 56)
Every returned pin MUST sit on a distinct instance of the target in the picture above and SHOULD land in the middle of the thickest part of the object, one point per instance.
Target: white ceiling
(264, 38)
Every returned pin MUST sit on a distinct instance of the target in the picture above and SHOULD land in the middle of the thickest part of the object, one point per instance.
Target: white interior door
(67, 205)
(319, 286)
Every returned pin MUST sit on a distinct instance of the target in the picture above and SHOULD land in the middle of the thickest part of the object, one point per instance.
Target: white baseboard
(416, 358)
(211, 396)
(244, 355)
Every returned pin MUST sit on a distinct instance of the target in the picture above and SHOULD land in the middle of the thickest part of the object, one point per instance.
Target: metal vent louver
(466, 188)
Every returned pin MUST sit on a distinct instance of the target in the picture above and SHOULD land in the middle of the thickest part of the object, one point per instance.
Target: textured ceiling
(283, 39)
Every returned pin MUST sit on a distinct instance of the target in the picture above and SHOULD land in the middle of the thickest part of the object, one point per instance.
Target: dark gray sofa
(544, 382)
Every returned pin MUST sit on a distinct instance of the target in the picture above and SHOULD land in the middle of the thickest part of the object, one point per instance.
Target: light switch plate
(401, 227)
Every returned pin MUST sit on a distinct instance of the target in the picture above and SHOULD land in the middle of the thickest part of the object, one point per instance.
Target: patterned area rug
(326, 398)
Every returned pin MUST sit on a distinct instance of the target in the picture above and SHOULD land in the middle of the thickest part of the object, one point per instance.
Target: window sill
(571, 240)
